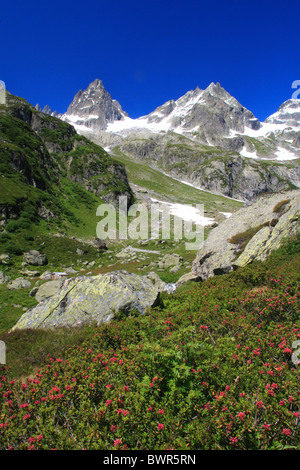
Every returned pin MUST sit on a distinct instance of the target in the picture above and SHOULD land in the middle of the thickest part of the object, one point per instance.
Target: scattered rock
(123, 254)
(70, 270)
(35, 258)
(175, 269)
(19, 283)
(143, 242)
(99, 244)
(3, 278)
(5, 258)
(170, 260)
(46, 275)
(28, 273)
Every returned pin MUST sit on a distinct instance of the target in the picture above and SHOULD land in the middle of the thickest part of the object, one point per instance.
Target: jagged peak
(291, 103)
(97, 83)
(215, 89)
(287, 111)
(213, 85)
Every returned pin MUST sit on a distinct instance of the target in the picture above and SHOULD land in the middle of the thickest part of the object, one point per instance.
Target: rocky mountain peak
(215, 87)
(288, 113)
(46, 110)
(97, 83)
(94, 108)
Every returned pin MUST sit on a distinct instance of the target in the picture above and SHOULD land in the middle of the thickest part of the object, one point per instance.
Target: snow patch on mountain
(185, 212)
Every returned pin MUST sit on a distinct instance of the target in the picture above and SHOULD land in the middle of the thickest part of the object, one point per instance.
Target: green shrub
(211, 370)
(12, 225)
(280, 205)
(12, 249)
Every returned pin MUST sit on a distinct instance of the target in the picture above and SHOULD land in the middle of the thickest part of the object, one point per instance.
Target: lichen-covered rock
(156, 280)
(92, 299)
(19, 283)
(48, 289)
(251, 233)
(170, 259)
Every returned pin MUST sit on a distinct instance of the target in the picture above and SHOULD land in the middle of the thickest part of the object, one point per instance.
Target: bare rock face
(251, 233)
(91, 299)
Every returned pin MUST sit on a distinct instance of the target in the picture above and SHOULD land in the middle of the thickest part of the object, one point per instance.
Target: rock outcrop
(251, 233)
(92, 299)
(220, 169)
(35, 258)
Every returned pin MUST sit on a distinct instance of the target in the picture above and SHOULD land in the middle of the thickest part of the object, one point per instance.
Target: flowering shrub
(210, 370)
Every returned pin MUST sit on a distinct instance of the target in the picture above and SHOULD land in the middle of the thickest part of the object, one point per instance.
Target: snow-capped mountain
(209, 113)
(211, 116)
(206, 138)
(93, 109)
(278, 136)
(288, 115)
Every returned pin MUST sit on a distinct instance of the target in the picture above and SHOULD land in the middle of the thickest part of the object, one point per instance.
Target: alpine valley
(138, 343)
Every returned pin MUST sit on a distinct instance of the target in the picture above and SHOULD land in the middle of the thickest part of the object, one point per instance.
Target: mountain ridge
(217, 144)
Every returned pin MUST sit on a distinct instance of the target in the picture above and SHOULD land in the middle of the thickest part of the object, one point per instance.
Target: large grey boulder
(35, 258)
(88, 299)
(251, 233)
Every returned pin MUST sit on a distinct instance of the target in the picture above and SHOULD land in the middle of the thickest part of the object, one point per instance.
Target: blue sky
(147, 52)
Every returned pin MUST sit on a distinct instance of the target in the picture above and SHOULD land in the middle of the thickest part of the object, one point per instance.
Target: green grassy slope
(170, 189)
(52, 179)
